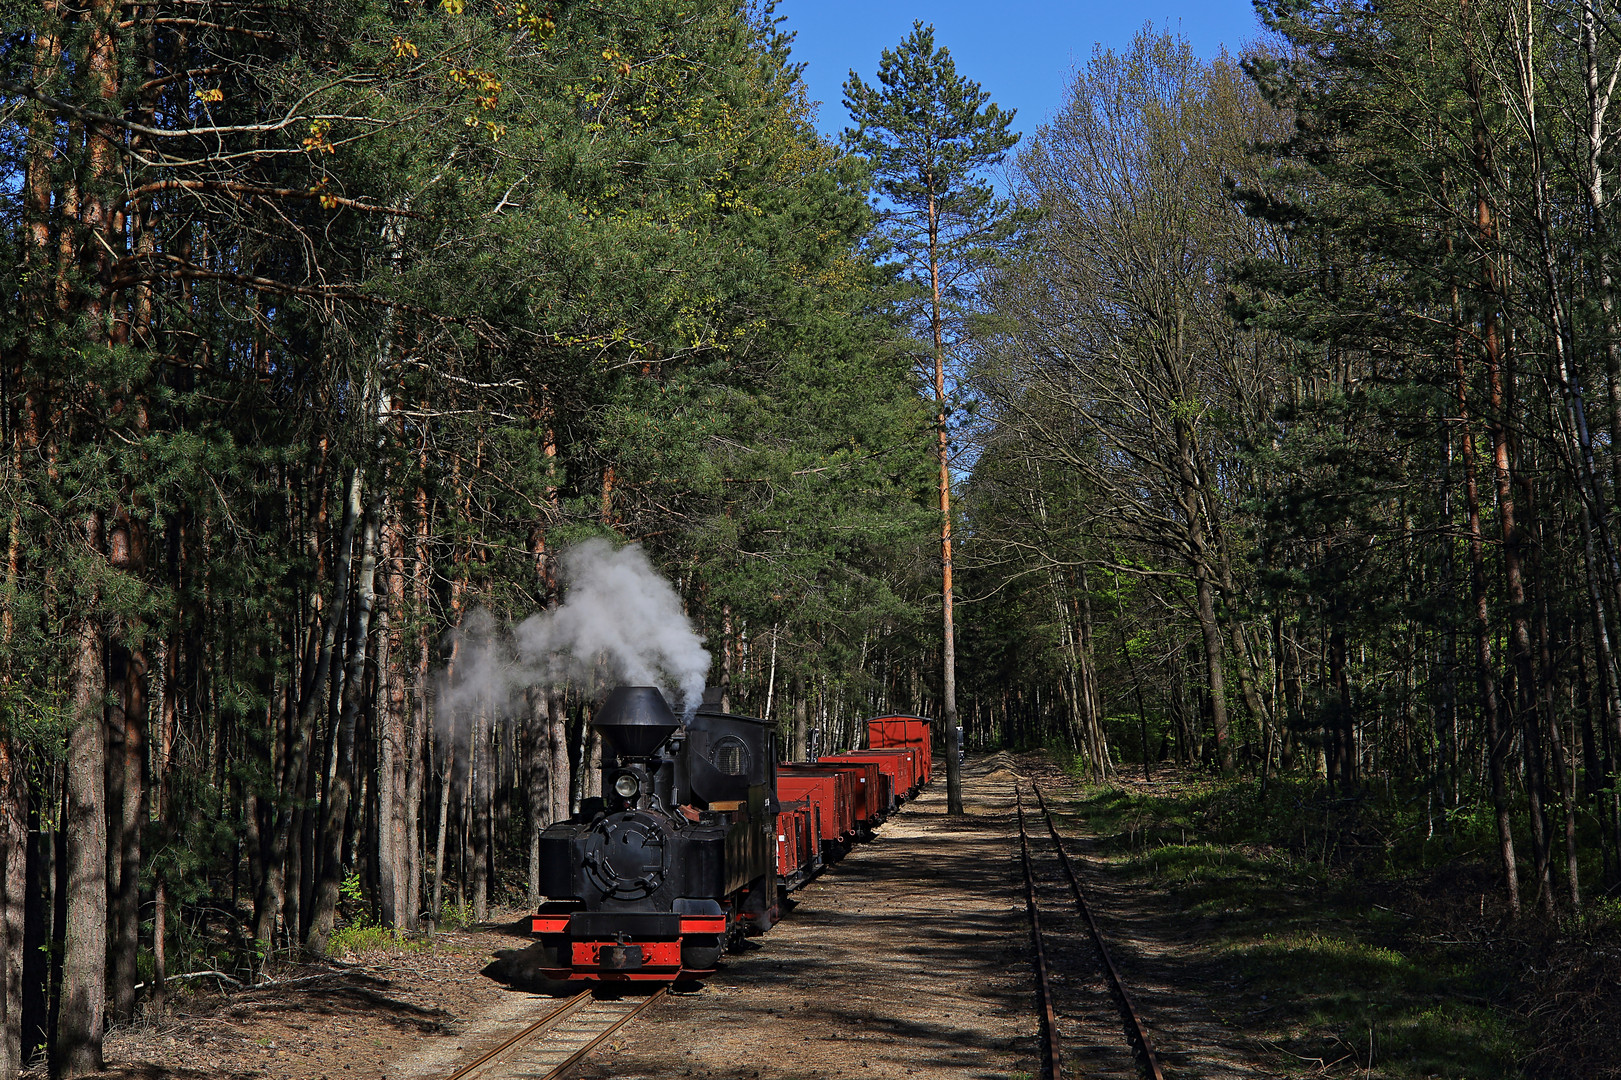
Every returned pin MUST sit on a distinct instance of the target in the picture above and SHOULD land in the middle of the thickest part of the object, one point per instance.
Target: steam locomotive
(700, 834)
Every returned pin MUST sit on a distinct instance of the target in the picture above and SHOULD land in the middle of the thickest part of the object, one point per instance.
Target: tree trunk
(417, 771)
(1088, 691)
(389, 756)
(84, 958)
(446, 787)
(558, 779)
(593, 759)
(168, 712)
(58, 862)
(478, 805)
(537, 738)
(336, 816)
(1500, 389)
(1215, 675)
(117, 669)
(801, 747)
(579, 737)
(1484, 673)
(1341, 748)
(1205, 596)
(948, 629)
(302, 862)
(272, 898)
(133, 812)
(1497, 743)
(391, 751)
(13, 906)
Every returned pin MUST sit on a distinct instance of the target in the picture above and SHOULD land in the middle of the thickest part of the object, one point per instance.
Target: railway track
(1052, 1050)
(554, 1044)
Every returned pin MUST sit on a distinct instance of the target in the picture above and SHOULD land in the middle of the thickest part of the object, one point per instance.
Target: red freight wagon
(914, 765)
(894, 769)
(795, 843)
(810, 819)
(913, 731)
(832, 792)
(904, 767)
(910, 778)
(871, 799)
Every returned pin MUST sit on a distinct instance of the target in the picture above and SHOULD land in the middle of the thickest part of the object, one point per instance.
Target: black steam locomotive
(677, 860)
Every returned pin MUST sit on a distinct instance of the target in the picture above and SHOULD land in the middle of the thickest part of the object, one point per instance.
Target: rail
(1051, 1052)
(576, 1027)
(1136, 1031)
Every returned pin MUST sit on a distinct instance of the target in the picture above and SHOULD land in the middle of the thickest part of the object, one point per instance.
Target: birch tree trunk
(558, 775)
(537, 740)
(445, 795)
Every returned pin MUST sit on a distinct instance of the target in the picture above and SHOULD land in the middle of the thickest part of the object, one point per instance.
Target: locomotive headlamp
(626, 786)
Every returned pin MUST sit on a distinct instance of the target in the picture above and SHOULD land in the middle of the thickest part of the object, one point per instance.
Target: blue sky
(1021, 51)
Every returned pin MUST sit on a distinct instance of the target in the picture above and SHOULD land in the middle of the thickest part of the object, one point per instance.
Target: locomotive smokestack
(635, 720)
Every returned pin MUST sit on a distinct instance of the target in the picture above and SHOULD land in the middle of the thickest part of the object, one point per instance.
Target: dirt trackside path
(908, 959)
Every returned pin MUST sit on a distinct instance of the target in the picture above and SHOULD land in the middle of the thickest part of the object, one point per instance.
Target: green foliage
(35, 717)
(358, 939)
(603, 276)
(351, 890)
(456, 917)
(927, 133)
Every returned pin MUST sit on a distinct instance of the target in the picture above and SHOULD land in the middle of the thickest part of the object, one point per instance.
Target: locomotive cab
(729, 770)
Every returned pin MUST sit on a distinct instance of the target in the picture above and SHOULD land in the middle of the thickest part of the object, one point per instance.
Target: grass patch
(456, 917)
(357, 939)
(1319, 941)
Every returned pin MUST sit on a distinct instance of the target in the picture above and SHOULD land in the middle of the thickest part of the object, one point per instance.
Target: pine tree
(929, 134)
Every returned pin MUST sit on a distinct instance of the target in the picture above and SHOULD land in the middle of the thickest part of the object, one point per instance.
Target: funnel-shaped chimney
(635, 720)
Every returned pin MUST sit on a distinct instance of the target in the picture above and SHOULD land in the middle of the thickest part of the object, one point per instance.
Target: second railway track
(548, 1048)
(1052, 1050)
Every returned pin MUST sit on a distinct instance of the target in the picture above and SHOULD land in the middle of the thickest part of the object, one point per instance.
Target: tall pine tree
(929, 134)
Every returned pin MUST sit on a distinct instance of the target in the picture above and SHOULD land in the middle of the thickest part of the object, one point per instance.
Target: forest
(1254, 415)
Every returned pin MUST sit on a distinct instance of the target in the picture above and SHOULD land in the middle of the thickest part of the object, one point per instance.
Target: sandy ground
(322, 1023)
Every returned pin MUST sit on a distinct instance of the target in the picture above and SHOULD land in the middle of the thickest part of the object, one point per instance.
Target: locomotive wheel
(700, 952)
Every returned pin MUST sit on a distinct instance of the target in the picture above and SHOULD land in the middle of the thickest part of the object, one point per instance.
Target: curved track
(549, 1047)
(1136, 1032)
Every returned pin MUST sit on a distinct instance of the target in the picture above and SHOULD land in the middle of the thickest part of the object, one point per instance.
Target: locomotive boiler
(677, 860)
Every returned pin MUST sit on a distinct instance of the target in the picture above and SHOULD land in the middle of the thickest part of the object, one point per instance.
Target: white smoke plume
(620, 622)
